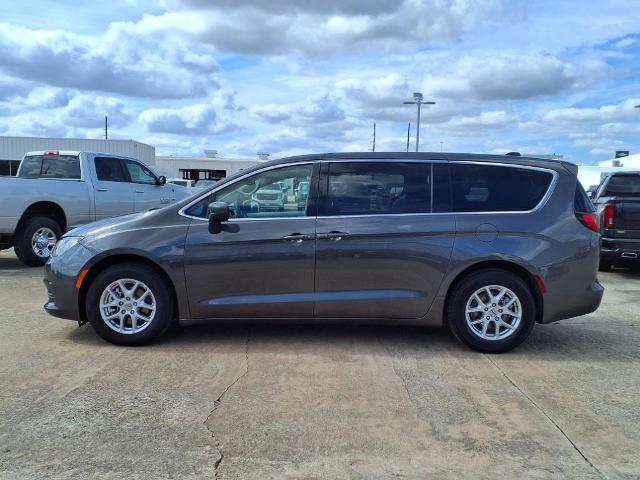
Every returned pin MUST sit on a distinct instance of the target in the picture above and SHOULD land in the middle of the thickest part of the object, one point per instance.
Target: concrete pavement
(315, 402)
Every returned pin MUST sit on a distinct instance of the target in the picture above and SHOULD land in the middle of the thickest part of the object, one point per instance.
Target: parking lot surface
(315, 402)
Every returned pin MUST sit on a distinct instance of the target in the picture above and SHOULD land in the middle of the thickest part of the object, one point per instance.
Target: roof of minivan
(399, 156)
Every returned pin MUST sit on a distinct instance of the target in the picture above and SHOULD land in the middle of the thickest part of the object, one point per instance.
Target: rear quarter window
(494, 188)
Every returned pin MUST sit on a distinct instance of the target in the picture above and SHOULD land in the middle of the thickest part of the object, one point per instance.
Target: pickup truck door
(113, 193)
(148, 194)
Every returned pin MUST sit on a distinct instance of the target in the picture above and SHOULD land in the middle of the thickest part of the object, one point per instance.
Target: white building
(630, 161)
(590, 175)
(12, 149)
(209, 167)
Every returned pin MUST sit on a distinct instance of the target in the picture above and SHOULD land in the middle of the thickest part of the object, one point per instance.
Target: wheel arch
(45, 208)
(107, 261)
(512, 267)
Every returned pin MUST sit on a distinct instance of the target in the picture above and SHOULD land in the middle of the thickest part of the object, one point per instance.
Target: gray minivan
(488, 245)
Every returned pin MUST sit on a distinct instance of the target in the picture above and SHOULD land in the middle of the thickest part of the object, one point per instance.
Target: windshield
(50, 166)
(624, 186)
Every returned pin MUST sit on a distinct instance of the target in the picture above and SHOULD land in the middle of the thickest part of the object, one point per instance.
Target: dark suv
(488, 245)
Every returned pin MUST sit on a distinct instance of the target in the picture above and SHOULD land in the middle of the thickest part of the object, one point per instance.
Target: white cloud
(317, 109)
(511, 77)
(477, 123)
(122, 60)
(196, 119)
(65, 115)
(320, 27)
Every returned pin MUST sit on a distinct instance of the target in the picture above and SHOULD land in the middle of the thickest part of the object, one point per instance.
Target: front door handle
(298, 237)
(101, 189)
(333, 235)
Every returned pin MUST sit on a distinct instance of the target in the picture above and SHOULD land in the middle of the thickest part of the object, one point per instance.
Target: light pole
(417, 100)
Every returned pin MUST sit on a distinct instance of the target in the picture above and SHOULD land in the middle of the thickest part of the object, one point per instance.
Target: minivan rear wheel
(129, 304)
(491, 311)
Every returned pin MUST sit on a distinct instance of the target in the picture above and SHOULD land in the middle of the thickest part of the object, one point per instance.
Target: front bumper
(60, 274)
(62, 296)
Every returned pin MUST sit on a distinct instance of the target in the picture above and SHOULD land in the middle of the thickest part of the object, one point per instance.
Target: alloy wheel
(493, 312)
(127, 306)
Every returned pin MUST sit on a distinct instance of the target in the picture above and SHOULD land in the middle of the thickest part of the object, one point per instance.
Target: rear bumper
(621, 250)
(574, 304)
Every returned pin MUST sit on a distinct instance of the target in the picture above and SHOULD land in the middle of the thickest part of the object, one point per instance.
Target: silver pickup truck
(57, 190)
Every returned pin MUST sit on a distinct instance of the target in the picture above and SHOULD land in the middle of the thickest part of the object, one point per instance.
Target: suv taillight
(609, 216)
(589, 220)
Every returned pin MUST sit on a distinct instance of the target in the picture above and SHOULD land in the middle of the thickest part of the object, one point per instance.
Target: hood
(107, 225)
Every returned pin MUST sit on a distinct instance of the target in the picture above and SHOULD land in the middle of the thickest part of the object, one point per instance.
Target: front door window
(276, 193)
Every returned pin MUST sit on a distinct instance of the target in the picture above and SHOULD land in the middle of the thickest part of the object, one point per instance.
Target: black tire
(457, 302)
(22, 239)
(164, 315)
(604, 266)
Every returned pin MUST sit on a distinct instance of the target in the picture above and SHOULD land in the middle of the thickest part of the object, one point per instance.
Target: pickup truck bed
(618, 202)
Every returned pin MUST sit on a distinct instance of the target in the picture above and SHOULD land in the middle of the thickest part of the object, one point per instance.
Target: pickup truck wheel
(35, 239)
(129, 304)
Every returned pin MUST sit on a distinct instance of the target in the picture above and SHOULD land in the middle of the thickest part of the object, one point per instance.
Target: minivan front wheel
(491, 311)
(129, 304)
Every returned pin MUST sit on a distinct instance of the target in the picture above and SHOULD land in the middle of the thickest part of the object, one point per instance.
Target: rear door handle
(333, 235)
(298, 237)
(101, 189)
(139, 191)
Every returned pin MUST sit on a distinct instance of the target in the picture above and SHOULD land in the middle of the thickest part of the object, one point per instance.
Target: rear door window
(50, 166)
(375, 188)
(495, 188)
(110, 170)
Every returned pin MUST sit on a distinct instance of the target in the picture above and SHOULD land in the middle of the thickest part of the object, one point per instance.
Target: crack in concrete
(551, 420)
(218, 401)
(395, 371)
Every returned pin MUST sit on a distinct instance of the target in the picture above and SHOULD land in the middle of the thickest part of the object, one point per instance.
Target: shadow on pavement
(11, 262)
(584, 342)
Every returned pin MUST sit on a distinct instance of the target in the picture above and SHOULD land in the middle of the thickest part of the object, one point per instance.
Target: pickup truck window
(110, 170)
(622, 185)
(140, 174)
(50, 166)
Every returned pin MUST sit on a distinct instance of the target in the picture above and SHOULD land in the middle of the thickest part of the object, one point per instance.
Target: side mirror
(217, 212)
(162, 180)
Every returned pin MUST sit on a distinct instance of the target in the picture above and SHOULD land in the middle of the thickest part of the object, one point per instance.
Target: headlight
(63, 245)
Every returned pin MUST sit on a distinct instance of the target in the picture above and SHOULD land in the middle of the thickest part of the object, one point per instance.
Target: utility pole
(374, 137)
(106, 128)
(417, 100)
(408, 134)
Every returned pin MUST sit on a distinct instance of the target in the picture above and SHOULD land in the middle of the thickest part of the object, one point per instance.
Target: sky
(307, 76)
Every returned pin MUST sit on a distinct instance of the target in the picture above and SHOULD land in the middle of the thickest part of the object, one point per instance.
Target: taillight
(609, 216)
(589, 220)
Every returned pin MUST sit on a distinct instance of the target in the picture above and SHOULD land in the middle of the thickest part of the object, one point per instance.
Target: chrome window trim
(545, 198)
